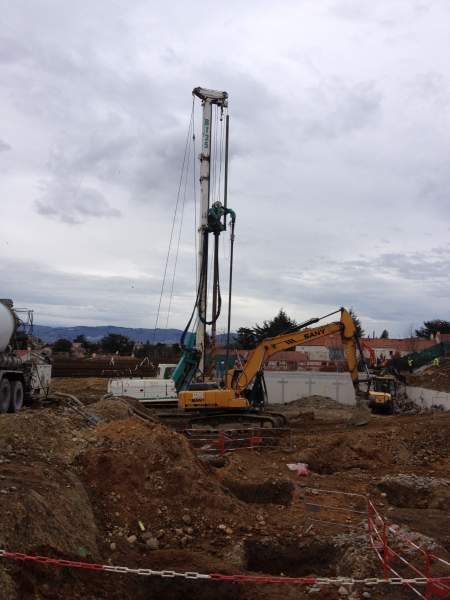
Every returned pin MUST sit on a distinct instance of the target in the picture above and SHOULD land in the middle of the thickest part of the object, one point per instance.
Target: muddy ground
(129, 491)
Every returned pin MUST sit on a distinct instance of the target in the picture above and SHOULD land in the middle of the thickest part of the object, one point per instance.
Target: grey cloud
(336, 108)
(11, 51)
(431, 86)
(74, 298)
(4, 147)
(324, 160)
(353, 10)
(393, 288)
(391, 14)
(73, 204)
(434, 190)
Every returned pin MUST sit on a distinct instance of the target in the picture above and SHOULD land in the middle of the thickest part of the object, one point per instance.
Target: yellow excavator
(245, 392)
(383, 393)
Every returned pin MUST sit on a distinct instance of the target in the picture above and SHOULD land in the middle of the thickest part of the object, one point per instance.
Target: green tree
(62, 345)
(90, 347)
(278, 325)
(384, 334)
(245, 338)
(359, 329)
(115, 342)
(430, 328)
(249, 337)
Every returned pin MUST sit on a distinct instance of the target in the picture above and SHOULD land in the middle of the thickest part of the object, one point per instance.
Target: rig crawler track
(192, 419)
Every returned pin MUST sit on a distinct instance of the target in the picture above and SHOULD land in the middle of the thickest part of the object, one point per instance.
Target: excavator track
(186, 419)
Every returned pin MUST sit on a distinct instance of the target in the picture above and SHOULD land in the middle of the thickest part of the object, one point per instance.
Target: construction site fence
(222, 441)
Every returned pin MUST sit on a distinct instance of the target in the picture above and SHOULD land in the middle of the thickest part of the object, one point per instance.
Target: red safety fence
(222, 441)
(391, 546)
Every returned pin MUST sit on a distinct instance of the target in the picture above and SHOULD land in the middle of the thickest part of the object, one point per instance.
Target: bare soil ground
(133, 492)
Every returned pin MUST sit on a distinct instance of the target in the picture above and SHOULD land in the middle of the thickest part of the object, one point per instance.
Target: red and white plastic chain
(259, 579)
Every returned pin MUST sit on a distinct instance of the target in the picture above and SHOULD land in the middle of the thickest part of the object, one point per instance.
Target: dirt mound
(430, 444)
(38, 505)
(433, 378)
(110, 409)
(88, 389)
(342, 453)
(40, 494)
(303, 412)
(51, 435)
(145, 481)
(320, 402)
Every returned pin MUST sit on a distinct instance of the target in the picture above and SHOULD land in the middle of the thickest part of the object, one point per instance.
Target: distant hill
(94, 334)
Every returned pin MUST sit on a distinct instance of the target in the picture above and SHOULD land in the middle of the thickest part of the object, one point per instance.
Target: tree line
(115, 343)
(246, 337)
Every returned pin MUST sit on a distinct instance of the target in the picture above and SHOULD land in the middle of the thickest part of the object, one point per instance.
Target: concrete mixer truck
(24, 373)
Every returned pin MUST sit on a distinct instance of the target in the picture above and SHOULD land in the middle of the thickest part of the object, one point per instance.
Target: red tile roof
(405, 345)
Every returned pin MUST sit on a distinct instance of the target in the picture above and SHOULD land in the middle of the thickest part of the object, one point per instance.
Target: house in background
(286, 361)
(325, 349)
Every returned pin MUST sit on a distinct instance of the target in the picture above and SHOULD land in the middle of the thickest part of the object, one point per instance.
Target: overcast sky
(340, 148)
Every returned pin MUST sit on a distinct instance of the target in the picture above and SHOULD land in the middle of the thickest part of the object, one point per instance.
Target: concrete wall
(424, 397)
(285, 386)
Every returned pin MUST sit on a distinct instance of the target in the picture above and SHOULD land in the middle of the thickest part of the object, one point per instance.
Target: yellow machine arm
(269, 346)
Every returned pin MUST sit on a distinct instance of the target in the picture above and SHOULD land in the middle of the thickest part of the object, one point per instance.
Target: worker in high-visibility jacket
(410, 365)
(436, 361)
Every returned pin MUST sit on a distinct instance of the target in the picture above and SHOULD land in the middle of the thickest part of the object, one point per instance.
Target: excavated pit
(293, 557)
(272, 491)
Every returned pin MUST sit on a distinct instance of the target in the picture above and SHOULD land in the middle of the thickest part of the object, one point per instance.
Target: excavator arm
(269, 346)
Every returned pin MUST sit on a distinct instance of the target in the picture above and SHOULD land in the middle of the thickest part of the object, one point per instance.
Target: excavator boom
(269, 346)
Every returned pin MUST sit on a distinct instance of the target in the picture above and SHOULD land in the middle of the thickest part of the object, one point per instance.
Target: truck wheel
(5, 395)
(16, 396)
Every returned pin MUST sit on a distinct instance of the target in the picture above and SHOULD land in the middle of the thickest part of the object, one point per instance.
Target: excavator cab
(383, 395)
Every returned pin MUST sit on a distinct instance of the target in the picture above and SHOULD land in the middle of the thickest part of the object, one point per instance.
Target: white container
(148, 390)
(7, 326)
